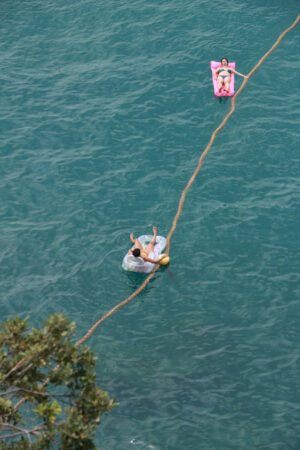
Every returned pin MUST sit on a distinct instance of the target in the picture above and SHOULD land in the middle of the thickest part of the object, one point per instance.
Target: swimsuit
(150, 255)
(224, 70)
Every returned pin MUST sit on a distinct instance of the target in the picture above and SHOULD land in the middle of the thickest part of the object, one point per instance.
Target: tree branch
(15, 367)
(25, 370)
(45, 394)
(20, 431)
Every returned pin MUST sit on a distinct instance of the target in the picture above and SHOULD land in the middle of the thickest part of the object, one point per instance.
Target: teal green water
(105, 110)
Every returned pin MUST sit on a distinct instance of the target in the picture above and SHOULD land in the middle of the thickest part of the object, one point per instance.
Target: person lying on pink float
(223, 75)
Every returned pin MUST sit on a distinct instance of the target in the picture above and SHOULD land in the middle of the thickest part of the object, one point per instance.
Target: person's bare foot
(132, 238)
(153, 240)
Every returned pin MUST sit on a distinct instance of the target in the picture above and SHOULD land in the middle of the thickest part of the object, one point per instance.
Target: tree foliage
(48, 393)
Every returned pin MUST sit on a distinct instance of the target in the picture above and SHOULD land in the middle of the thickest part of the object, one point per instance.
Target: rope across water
(188, 186)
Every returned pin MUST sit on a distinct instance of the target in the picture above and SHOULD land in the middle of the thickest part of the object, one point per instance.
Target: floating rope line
(188, 186)
(180, 204)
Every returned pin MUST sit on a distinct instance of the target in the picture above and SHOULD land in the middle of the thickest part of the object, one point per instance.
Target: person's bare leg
(226, 82)
(136, 242)
(150, 246)
(220, 83)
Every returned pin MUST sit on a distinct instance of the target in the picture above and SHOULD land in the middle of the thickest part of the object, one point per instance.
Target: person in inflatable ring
(145, 253)
(224, 73)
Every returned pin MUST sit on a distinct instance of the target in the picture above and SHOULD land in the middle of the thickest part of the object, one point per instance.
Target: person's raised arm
(154, 261)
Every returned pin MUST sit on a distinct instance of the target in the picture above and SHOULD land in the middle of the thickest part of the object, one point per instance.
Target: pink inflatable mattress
(214, 65)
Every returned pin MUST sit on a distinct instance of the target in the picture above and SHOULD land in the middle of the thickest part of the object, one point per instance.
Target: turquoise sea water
(105, 109)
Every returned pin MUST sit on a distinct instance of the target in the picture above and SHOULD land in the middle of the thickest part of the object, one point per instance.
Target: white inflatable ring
(138, 264)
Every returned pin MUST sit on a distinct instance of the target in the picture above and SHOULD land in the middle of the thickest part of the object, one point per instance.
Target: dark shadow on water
(135, 279)
(222, 99)
(176, 282)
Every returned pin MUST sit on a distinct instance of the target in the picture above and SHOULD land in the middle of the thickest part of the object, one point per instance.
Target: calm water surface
(105, 110)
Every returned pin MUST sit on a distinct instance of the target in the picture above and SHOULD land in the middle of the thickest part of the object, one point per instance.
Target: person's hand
(162, 256)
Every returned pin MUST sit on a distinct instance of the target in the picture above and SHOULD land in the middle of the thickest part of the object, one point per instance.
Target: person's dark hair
(136, 252)
(226, 60)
